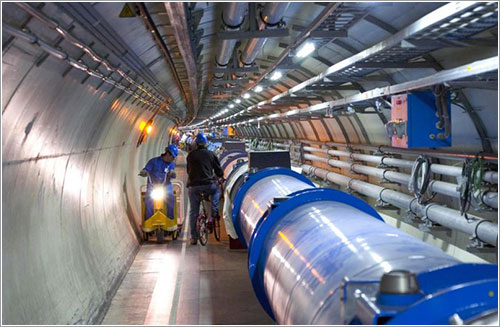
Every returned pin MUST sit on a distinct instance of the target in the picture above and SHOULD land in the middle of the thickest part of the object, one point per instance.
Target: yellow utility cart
(159, 224)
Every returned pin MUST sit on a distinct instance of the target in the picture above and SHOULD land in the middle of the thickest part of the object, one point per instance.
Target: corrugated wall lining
(69, 174)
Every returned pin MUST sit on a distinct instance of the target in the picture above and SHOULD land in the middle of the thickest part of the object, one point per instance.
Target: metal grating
(340, 20)
(466, 24)
(462, 25)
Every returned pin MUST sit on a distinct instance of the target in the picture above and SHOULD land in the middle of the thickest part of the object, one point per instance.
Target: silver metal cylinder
(260, 196)
(315, 246)
(232, 15)
(271, 14)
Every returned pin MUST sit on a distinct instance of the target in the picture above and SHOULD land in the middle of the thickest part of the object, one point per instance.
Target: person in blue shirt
(161, 170)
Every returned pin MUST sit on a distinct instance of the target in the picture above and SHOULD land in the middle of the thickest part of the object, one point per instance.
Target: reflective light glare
(231, 106)
(306, 50)
(142, 125)
(258, 89)
(237, 101)
(158, 193)
(149, 129)
(276, 75)
(246, 96)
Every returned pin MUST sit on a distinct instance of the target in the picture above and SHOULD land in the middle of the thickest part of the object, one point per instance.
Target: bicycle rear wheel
(217, 227)
(203, 231)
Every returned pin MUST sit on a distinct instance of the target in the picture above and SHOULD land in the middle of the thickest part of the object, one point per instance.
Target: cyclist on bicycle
(161, 170)
(201, 166)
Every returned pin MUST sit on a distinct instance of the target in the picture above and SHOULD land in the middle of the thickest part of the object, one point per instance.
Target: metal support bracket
(381, 204)
(384, 165)
(384, 180)
(301, 152)
(349, 188)
(477, 246)
(253, 31)
(428, 225)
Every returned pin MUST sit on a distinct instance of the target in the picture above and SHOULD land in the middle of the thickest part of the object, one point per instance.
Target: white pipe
(490, 176)
(484, 230)
(449, 189)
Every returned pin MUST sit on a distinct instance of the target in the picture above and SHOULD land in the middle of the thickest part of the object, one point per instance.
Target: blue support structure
(319, 256)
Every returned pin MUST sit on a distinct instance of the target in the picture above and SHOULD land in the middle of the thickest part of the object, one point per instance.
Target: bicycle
(202, 220)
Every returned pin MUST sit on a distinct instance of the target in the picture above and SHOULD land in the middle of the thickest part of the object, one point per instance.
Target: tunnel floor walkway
(178, 283)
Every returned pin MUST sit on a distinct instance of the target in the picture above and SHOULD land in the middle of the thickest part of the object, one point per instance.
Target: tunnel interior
(81, 82)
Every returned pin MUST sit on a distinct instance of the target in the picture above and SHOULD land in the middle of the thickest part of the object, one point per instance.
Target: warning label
(126, 11)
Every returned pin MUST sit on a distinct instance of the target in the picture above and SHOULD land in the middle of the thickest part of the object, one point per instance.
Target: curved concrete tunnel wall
(71, 202)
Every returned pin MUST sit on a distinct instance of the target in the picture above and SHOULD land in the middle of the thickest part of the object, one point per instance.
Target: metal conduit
(479, 228)
(444, 188)
(490, 176)
(33, 39)
(270, 15)
(232, 17)
(80, 44)
(431, 152)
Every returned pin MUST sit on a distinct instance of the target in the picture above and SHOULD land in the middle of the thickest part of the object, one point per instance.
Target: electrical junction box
(234, 145)
(265, 159)
(414, 121)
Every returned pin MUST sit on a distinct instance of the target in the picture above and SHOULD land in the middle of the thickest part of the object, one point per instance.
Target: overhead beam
(328, 34)
(333, 87)
(322, 33)
(242, 35)
(148, 20)
(178, 18)
(380, 24)
(379, 65)
(229, 70)
(231, 81)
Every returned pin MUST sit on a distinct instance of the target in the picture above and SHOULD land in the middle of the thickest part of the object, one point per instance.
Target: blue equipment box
(414, 121)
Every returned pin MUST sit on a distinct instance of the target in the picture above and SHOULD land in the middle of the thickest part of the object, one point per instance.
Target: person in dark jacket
(203, 167)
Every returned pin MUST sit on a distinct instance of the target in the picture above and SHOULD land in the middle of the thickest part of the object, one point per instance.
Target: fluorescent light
(231, 106)
(306, 50)
(276, 75)
(237, 101)
(246, 96)
(258, 89)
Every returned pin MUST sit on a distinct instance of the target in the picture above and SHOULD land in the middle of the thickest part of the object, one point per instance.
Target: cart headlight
(158, 193)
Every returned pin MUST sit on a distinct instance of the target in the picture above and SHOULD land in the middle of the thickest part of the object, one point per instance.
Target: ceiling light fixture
(246, 96)
(277, 75)
(258, 89)
(306, 50)
(237, 101)
(231, 106)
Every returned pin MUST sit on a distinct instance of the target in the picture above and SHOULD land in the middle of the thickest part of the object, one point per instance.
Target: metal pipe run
(233, 15)
(490, 177)
(61, 55)
(81, 45)
(484, 230)
(430, 152)
(444, 188)
(271, 14)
